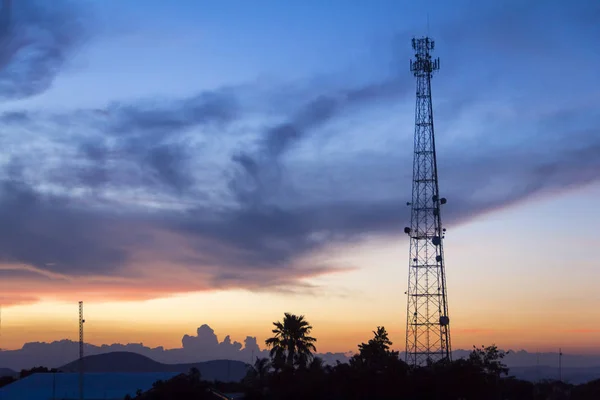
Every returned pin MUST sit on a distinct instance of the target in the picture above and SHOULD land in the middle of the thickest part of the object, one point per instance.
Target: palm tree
(291, 345)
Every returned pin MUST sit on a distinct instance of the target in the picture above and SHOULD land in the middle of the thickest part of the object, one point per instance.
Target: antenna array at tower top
(423, 65)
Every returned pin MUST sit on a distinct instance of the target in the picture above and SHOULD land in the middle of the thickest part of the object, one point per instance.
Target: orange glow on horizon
(104, 326)
(500, 291)
(329, 340)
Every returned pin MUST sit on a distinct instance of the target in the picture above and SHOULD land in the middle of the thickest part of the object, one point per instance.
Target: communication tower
(427, 325)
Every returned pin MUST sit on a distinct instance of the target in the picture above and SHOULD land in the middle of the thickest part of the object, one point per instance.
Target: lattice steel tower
(427, 325)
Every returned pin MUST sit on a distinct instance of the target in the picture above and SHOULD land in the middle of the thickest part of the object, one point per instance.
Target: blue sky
(156, 148)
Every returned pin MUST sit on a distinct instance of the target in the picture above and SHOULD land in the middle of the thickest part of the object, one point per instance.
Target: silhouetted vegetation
(36, 370)
(291, 346)
(376, 372)
(6, 380)
(183, 386)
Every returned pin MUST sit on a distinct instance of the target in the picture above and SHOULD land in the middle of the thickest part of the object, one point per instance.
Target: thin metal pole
(560, 364)
(81, 321)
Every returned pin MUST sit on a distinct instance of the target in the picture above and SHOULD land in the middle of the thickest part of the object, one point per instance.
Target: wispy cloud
(36, 39)
(220, 191)
(583, 331)
(252, 244)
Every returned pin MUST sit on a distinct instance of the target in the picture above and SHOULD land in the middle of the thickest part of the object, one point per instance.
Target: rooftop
(63, 386)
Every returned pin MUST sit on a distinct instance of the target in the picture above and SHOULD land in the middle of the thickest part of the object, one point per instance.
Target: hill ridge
(131, 362)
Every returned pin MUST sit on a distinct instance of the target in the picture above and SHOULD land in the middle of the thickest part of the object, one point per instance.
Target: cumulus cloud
(207, 344)
(204, 346)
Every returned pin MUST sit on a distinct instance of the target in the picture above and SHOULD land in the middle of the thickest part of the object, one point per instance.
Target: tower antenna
(81, 321)
(427, 321)
(427, 13)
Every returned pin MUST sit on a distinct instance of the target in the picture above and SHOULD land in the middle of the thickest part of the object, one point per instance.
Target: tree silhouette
(376, 371)
(181, 387)
(36, 370)
(376, 354)
(489, 359)
(291, 346)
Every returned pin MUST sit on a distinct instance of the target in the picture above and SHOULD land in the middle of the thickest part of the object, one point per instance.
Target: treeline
(6, 380)
(375, 373)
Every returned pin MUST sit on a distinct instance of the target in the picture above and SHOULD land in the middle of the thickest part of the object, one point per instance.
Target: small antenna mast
(560, 354)
(537, 366)
(81, 321)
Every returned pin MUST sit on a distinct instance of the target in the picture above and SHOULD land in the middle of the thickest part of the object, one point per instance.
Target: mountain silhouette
(203, 346)
(123, 361)
(575, 376)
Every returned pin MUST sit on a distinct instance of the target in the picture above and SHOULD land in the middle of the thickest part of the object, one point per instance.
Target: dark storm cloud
(36, 39)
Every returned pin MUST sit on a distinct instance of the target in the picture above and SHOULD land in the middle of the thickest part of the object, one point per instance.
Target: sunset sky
(174, 164)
